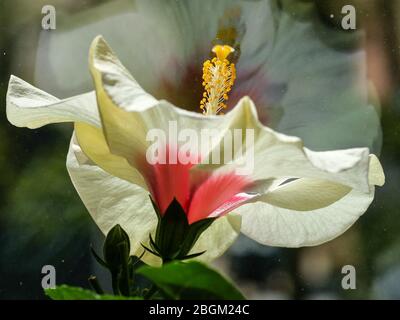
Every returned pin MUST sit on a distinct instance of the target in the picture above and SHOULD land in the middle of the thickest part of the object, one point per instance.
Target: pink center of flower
(201, 195)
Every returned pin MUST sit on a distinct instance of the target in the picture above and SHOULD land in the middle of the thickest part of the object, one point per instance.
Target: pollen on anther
(219, 75)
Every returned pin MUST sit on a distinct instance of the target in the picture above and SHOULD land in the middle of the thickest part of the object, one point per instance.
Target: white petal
(279, 156)
(30, 107)
(117, 93)
(376, 175)
(305, 194)
(281, 227)
(307, 212)
(112, 201)
(109, 74)
(93, 144)
(218, 237)
(310, 194)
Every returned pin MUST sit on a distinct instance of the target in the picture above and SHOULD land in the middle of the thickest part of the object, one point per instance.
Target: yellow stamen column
(218, 77)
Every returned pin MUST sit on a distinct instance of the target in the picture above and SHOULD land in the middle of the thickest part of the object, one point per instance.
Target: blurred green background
(42, 220)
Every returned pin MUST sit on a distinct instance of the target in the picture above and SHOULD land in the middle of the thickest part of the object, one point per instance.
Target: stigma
(219, 75)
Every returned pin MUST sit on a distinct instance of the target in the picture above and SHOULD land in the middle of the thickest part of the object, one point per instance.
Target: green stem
(94, 283)
(115, 285)
(152, 291)
(124, 281)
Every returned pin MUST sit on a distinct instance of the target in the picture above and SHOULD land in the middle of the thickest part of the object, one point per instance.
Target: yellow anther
(218, 78)
(222, 52)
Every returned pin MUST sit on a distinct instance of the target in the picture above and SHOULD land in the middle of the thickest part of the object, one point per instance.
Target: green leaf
(191, 280)
(193, 234)
(153, 244)
(149, 250)
(65, 292)
(155, 207)
(193, 255)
